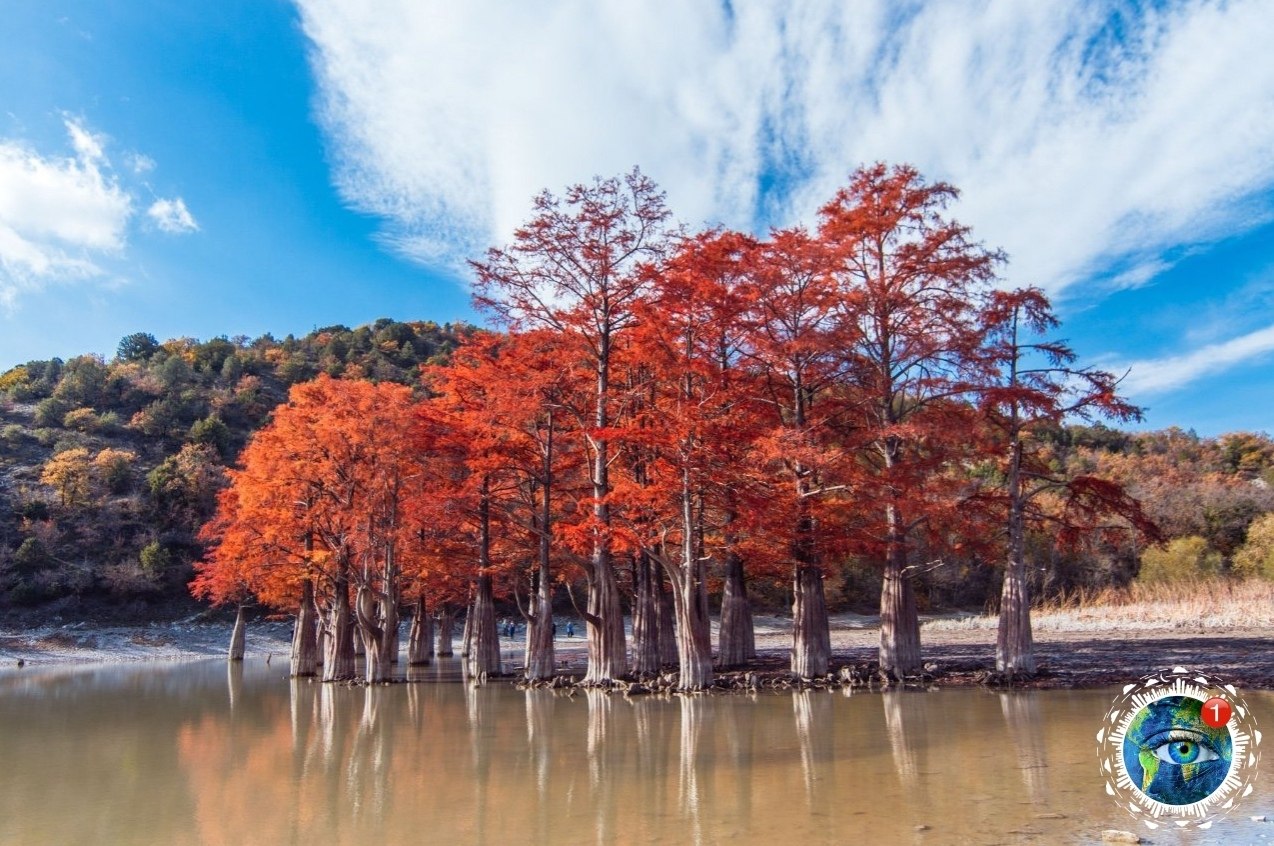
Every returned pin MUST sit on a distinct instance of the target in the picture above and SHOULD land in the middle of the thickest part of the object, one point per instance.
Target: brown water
(199, 753)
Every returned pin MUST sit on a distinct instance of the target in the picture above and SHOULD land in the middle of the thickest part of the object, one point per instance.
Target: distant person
(570, 629)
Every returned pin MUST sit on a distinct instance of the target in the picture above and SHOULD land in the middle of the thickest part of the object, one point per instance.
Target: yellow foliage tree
(1256, 556)
(1183, 559)
(70, 472)
(113, 468)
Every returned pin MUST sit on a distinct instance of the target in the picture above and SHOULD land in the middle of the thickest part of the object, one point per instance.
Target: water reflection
(904, 725)
(691, 783)
(816, 733)
(1026, 734)
(202, 755)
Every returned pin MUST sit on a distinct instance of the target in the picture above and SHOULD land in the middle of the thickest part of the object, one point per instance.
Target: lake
(206, 753)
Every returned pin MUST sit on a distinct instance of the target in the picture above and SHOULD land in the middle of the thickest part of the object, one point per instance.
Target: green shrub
(155, 559)
(213, 432)
(35, 509)
(1183, 559)
(109, 423)
(50, 412)
(31, 556)
(114, 469)
(1256, 556)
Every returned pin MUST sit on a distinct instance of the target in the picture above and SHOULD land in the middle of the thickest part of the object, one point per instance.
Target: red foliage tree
(697, 418)
(910, 283)
(1037, 387)
(578, 267)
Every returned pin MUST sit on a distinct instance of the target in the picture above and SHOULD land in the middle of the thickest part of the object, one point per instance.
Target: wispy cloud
(172, 216)
(62, 215)
(1085, 136)
(139, 164)
(57, 214)
(1160, 375)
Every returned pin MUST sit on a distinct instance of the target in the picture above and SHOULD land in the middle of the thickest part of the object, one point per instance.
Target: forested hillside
(109, 467)
(1203, 494)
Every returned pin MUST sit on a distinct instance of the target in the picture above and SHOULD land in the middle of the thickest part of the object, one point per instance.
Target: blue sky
(253, 165)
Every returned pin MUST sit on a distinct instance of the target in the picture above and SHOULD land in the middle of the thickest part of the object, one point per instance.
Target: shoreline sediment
(954, 655)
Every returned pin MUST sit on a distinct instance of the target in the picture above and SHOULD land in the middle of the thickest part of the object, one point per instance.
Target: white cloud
(57, 214)
(62, 216)
(88, 146)
(1076, 149)
(140, 164)
(172, 216)
(1171, 372)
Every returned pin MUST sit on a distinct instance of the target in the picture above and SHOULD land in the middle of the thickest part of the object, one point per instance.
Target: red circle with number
(1216, 712)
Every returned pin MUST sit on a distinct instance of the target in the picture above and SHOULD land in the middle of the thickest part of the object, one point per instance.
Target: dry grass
(1214, 604)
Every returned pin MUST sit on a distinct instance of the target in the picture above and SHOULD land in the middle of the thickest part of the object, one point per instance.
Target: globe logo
(1179, 748)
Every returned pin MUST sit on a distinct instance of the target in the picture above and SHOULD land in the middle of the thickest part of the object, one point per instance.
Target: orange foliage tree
(318, 509)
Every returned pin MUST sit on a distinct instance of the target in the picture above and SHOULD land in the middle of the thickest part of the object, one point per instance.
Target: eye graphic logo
(1179, 748)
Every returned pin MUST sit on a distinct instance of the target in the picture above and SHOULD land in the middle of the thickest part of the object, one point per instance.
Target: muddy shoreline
(954, 657)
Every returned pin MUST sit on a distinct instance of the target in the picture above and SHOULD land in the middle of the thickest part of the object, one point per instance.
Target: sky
(251, 166)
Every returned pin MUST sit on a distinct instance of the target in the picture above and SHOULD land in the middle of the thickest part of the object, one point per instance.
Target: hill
(108, 468)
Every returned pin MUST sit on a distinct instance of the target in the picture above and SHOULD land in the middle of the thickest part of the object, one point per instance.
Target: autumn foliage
(669, 415)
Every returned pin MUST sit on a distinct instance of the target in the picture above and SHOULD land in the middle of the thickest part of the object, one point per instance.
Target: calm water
(204, 754)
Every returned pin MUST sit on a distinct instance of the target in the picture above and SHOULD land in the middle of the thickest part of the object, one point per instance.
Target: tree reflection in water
(816, 735)
(1025, 731)
(310, 762)
(692, 717)
(896, 717)
(234, 682)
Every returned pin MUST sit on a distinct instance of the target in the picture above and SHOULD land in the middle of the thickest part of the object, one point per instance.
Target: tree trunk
(690, 599)
(390, 620)
(484, 653)
(237, 637)
(811, 632)
(377, 666)
(607, 648)
(541, 656)
(360, 648)
(446, 632)
(321, 636)
(304, 636)
(389, 639)
(737, 637)
(420, 636)
(694, 637)
(666, 623)
(466, 632)
(899, 621)
(1014, 645)
(338, 660)
(645, 618)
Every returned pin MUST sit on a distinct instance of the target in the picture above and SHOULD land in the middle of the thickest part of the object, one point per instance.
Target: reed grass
(1216, 604)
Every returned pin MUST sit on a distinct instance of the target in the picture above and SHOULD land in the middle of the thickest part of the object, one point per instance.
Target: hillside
(108, 468)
